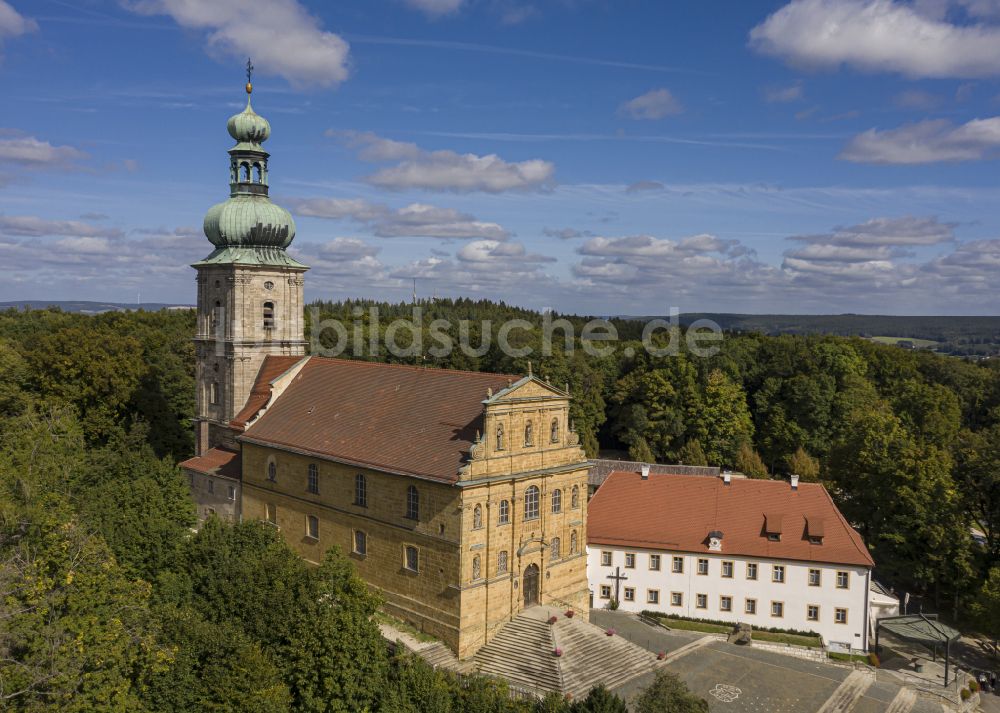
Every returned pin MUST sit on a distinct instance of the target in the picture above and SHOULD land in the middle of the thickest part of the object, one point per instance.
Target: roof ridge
(413, 367)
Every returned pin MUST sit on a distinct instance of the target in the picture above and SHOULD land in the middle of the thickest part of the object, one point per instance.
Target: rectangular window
(312, 527)
(840, 616)
(773, 537)
(629, 594)
(232, 492)
(630, 560)
(676, 599)
(213, 393)
(843, 580)
(702, 566)
(727, 570)
(361, 490)
(654, 562)
(360, 543)
(777, 609)
(750, 606)
(271, 513)
(701, 601)
(778, 573)
(678, 565)
(725, 603)
(605, 559)
(812, 612)
(313, 484)
(211, 486)
(605, 591)
(652, 596)
(751, 570)
(815, 577)
(411, 558)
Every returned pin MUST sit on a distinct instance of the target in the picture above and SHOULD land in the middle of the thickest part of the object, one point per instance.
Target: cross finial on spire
(249, 75)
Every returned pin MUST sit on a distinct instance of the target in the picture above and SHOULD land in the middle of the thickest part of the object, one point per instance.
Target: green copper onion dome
(248, 126)
(248, 228)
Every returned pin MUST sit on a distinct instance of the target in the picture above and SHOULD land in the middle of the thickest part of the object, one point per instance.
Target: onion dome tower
(250, 297)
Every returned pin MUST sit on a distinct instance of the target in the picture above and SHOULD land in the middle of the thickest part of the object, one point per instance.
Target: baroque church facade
(460, 496)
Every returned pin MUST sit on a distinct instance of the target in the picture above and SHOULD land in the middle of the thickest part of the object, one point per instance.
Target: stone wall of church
(505, 534)
(429, 599)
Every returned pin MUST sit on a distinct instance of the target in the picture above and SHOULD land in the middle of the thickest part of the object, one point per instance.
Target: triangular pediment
(525, 389)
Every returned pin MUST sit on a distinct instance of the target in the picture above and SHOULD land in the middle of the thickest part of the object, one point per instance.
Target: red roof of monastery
(412, 420)
(676, 512)
(271, 369)
(216, 461)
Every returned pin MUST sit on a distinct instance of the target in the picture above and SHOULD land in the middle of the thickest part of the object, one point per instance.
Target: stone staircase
(904, 701)
(522, 653)
(848, 693)
(591, 657)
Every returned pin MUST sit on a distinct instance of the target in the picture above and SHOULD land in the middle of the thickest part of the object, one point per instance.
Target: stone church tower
(250, 300)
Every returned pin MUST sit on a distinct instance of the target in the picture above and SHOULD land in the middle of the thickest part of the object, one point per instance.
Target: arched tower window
(554, 431)
(531, 503)
(500, 437)
(477, 517)
(257, 175)
(528, 435)
(245, 172)
(269, 315)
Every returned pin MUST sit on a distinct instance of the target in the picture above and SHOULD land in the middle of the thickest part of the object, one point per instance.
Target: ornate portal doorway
(530, 585)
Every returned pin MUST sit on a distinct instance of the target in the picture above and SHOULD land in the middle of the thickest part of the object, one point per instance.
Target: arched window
(477, 569)
(213, 393)
(269, 315)
(500, 437)
(574, 543)
(575, 498)
(244, 172)
(502, 562)
(215, 318)
(504, 517)
(528, 435)
(531, 503)
(360, 542)
(360, 490)
(272, 471)
(256, 173)
(557, 500)
(313, 485)
(412, 503)
(477, 517)
(554, 548)
(554, 431)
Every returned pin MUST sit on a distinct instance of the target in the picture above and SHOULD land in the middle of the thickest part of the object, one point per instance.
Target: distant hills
(91, 307)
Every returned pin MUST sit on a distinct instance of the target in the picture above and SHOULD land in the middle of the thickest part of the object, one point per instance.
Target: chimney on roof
(727, 477)
(795, 482)
(645, 471)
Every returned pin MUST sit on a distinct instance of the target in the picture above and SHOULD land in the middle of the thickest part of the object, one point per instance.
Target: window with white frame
(630, 560)
(652, 596)
(843, 580)
(751, 570)
(727, 569)
(812, 612)
(654, 563)
(777, 609)
(605, 558)
(750, 606)
(778, 573)
(605, 591)
(531, 503)
(232, 492)
(557, 500)
(676, 599)
(678, 565)
(701, 601)
(702, 565)
(629, 594)
(840, 616)
(815, 578)
(503, 512)
(725, 603)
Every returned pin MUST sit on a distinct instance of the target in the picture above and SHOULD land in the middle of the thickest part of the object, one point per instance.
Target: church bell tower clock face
(250, 301)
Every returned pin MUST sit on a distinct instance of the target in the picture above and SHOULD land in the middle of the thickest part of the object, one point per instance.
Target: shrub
(966, 694)
(873, 660)
(553, 619)
(610, 632)
(973, 685)
(613, 604)
(570, 613)
(661, 655)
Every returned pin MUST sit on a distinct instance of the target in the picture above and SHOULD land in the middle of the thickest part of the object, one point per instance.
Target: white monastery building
(774, 554)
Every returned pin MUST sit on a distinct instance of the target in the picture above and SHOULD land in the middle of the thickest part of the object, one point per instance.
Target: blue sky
(601, 157)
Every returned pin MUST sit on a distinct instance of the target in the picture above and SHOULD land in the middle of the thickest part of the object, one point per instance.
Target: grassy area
(793, 639)
(917, 343)
(400, 625)
(688, 625)
(847, 657)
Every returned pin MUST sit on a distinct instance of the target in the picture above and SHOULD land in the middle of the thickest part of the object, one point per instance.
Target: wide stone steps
(437, 654)
(848, 693)
(903, 702)
(521, 652)
(591, 657)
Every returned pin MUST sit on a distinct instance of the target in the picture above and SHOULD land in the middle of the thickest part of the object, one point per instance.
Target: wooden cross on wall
(618, 577)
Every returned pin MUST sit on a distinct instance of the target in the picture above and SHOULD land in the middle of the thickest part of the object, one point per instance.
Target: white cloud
(35, 226)
(879, 35)
(13, 24)
(32, 152)
(435, 8)
(654, 104)
(444, 170)
(928, 141)
(280, 35)
(784, 94)
(413, 220)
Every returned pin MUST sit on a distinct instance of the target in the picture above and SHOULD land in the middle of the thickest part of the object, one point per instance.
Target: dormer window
(815, 530)
(268, 315)
(715, 541)
(772, 526)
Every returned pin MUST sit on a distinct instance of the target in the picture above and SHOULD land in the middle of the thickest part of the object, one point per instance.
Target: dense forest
(110, 602)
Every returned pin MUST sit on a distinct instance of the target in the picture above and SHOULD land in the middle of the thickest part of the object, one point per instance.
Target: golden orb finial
(249, 87)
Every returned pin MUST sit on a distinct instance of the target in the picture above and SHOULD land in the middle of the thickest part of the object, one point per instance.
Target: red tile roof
(676, 512)
(272, 368)
(216, 461)
(412, 420)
